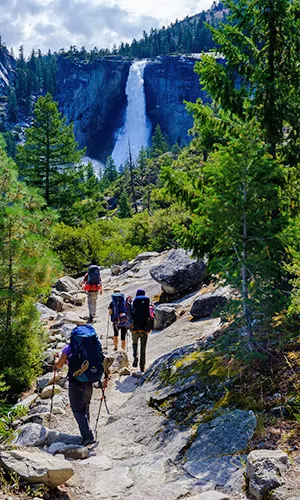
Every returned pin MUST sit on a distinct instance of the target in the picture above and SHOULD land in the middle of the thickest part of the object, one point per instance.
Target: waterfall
(137, 128)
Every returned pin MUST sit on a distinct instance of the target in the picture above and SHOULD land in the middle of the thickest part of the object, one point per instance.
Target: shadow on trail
(129, 384)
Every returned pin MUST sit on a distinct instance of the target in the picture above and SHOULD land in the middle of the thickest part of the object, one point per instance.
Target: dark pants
(123, 331)
(143, 338)
(80, 396)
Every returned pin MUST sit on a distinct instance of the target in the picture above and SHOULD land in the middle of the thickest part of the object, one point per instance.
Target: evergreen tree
(27, 269)
(234, 204)
(12, 110)
(124, 209)
(50, 150)
(159, 143)
(110, 171)
(261, 47)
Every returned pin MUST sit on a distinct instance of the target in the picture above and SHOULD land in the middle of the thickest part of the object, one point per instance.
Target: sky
(53, 24)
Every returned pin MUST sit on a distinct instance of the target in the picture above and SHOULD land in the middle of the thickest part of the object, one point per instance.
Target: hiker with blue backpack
(142, 324)
(93, 286)
(87, 364)
(120, 315)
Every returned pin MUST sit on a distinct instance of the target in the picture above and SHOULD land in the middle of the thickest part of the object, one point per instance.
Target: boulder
(48, 391)
(146, 256)
(121, 361)
(205, 304)
(67, 284)
(60, 345)
(75, 452)
(165, 315)
(77, 301)
(69, 317)
(47, 379)
(265, 470)
(178, 272)
(46, 313)
(55, 302)
(211, 456)
(115, 270)
(37, 467)
(66, 296)
(31, 435)
(27, 401)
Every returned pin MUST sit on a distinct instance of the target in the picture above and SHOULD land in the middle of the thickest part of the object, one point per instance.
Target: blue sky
(60, 23)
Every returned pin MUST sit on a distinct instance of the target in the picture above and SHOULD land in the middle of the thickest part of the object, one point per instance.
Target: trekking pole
(52, 396)
(107, 329)
(103, 398)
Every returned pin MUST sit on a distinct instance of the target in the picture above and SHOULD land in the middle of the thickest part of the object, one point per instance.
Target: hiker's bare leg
(116, 334)
(123, 338)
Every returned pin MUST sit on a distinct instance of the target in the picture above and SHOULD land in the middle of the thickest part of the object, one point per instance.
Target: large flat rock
(211, 457)
(37, 467)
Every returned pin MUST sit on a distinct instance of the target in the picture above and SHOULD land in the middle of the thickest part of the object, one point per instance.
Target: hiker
(86, 365)
(141, 327)
(120, 314)
(92, 285)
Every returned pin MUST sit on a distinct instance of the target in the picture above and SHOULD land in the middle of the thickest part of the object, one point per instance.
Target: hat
(139, 292)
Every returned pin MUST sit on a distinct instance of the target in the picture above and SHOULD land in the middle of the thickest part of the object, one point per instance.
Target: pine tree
(124, 209)
(50, 150)
(159, 143)
(237, 222)
(12, 109)
(110, 170)
(27, 269)
(261, 47)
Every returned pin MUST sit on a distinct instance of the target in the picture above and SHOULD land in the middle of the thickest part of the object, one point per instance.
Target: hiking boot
(135, 362)
(88, 441)
(90, 320)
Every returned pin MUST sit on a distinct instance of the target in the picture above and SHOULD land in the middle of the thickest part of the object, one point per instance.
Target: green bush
(114, 240)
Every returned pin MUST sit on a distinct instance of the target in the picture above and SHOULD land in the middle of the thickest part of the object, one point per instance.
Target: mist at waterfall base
(136, 131)
(98, 167)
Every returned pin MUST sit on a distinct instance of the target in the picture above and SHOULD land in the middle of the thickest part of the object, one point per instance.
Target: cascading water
(136, 131)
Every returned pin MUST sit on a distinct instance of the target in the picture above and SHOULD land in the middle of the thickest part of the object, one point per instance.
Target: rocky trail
(144, 452)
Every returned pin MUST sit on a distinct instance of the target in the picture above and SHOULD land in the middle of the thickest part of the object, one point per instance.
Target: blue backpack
(86, 361)
(93, 275)
(120, 314)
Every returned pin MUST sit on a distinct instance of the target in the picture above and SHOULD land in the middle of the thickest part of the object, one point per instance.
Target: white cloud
(60, 23)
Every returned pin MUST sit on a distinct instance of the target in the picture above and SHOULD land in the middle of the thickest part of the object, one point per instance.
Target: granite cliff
(93, 97)
(169, 81)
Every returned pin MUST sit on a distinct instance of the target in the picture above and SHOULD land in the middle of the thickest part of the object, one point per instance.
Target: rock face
(36, 466)
(178, 272)
(93, 97)
(205, 304)
(265, 470)
(169, 81)
(165, 315)
(211, 457)
(7, 70)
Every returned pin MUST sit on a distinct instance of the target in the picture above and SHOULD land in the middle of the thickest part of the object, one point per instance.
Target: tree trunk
(47, 180)
(10, 283)
(245, 294)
